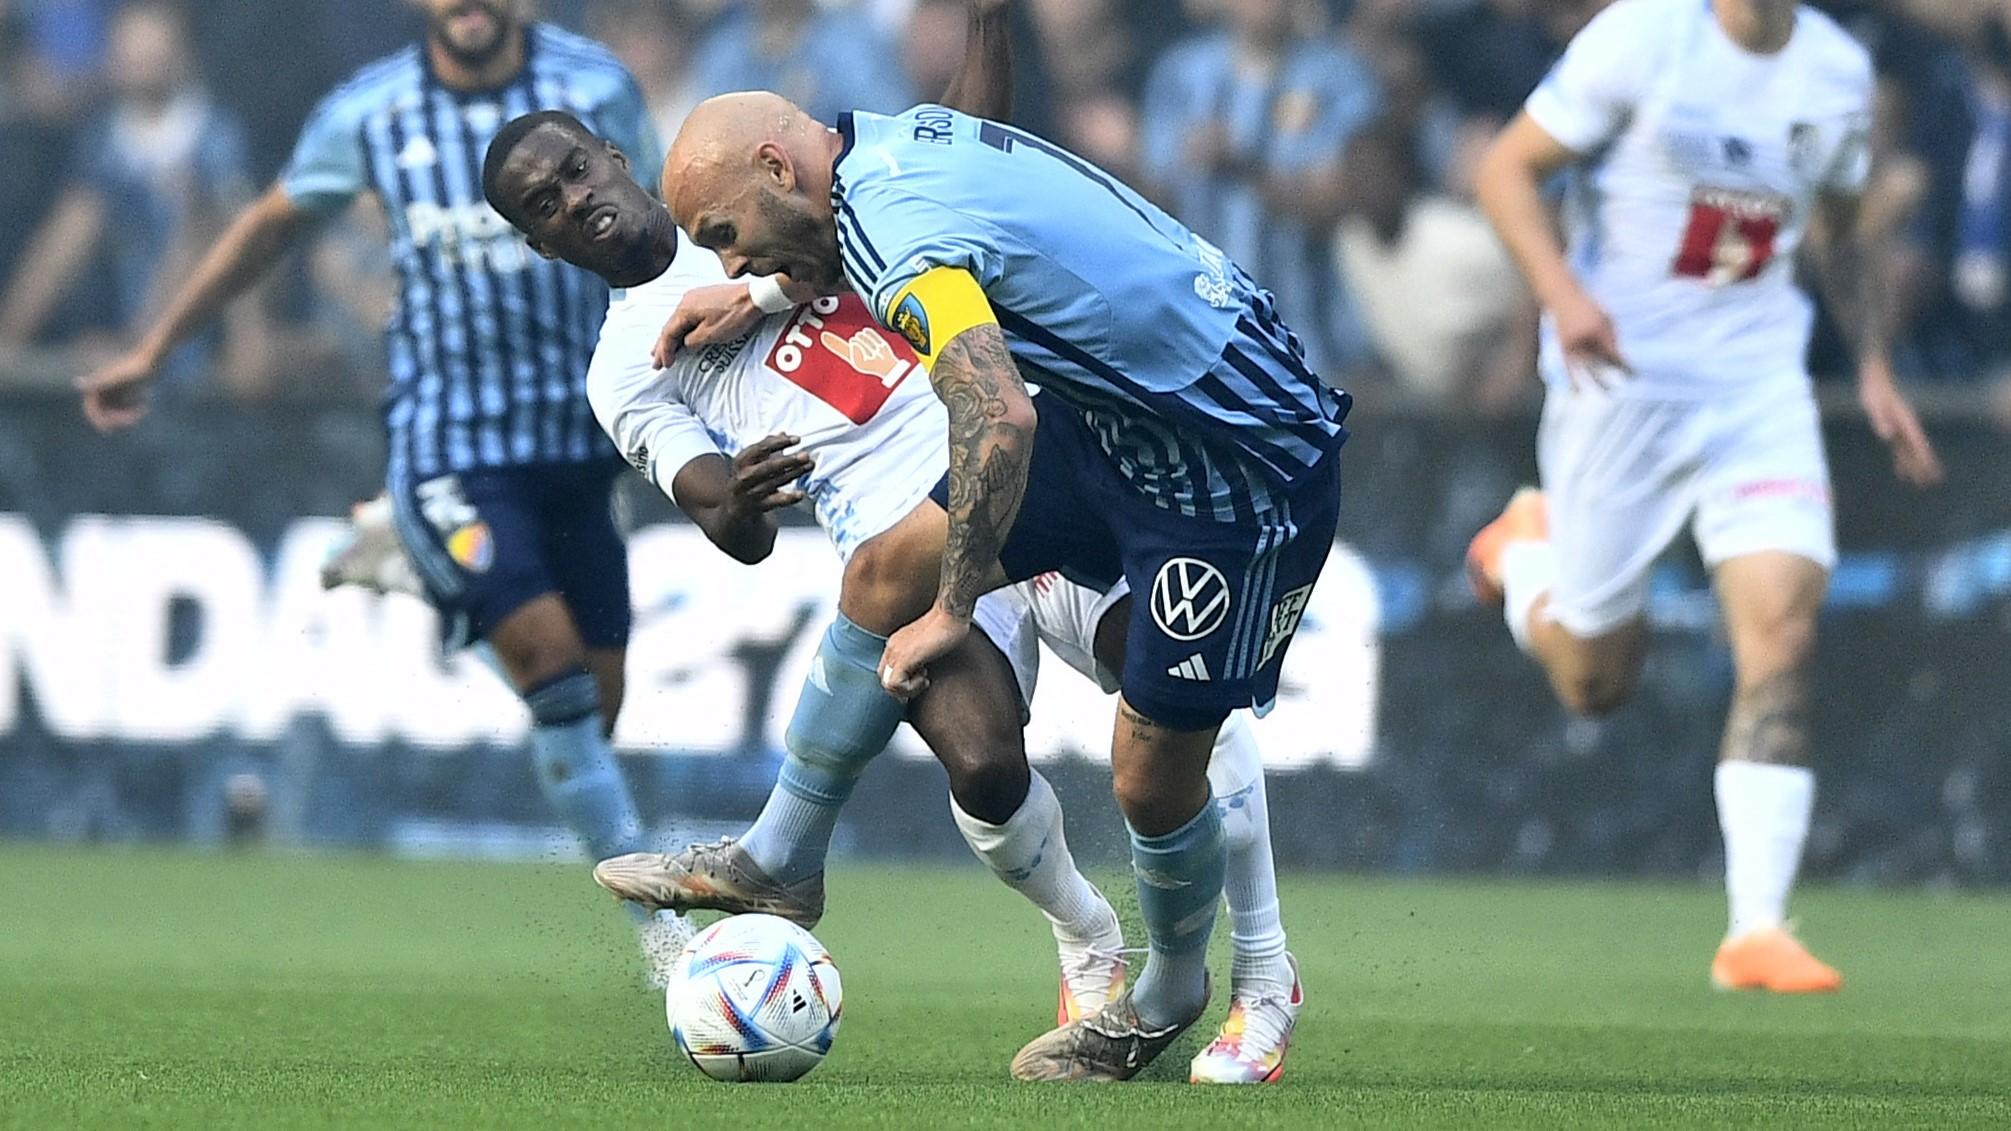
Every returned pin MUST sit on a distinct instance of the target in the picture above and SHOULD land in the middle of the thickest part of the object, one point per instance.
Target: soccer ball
(755, 998)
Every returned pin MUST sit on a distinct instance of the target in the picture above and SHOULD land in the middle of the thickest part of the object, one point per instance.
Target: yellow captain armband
(930, 312)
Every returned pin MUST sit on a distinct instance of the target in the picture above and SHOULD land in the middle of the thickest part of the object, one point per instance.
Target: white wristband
(767, 295)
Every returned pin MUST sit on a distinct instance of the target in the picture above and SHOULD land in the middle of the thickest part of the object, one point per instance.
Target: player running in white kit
(823, 405)
(1702, 137)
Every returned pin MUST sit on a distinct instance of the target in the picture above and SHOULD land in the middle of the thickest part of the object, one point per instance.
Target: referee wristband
(767, 295)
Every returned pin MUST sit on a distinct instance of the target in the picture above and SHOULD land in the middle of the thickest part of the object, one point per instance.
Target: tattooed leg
(1765, 789)
(1769, 723)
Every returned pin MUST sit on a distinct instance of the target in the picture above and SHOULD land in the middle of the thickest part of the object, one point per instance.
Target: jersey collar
(848, 134)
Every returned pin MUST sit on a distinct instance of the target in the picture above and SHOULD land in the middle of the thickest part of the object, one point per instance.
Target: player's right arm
(115, 395)
(1583, 104)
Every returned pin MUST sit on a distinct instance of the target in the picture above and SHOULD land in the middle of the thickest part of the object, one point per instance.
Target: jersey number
(1722, 246)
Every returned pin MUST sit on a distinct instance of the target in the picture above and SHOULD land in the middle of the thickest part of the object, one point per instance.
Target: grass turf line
(172, 989)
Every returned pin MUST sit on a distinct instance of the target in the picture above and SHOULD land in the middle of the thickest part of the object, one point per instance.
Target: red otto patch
(834, 351)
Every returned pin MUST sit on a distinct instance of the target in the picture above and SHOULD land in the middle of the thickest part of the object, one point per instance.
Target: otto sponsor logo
(832, 350)
(471, 235)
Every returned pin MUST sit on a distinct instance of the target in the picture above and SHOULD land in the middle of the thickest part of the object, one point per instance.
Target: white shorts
(1053, 610)
(1623, 475)
(1005, 619)
(1065, 616)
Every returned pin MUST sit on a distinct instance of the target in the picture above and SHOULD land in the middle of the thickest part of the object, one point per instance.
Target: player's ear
(620, 158)
(775, 166)
(538, 246)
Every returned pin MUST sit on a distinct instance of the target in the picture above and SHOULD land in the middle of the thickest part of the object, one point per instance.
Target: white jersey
(825, 372)
(1703, 164)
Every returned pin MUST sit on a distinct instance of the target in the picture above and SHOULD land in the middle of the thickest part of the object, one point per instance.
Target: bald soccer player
(1180, 441)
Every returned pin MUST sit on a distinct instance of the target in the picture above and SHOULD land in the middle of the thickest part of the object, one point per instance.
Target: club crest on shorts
(472, 547)
(912, 323)
(1285, 617)
(1190, 598)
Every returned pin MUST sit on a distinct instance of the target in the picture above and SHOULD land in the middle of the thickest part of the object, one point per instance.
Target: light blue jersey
(489, 342)
(1195, 390)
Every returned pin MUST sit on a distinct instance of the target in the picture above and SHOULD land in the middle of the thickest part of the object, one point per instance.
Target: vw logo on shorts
(1190, 598)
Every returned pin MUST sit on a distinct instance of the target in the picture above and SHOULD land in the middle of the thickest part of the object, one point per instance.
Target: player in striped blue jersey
(498, 473)
(1179, 434)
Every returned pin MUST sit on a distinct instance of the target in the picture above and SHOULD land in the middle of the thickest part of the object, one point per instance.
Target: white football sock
(1257, 934)
(1528, 570)
(1764, 813)
(1030, 855)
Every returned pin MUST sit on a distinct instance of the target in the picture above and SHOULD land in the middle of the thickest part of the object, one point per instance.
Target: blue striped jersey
(1196, 390)
(489, 342)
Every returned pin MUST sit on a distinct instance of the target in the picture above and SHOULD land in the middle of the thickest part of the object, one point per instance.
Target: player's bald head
(749, 176)
(728, 142)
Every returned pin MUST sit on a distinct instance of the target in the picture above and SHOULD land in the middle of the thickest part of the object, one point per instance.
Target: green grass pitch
(166, 989)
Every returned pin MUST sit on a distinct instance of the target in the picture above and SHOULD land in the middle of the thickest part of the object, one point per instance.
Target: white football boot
(1250, 1047)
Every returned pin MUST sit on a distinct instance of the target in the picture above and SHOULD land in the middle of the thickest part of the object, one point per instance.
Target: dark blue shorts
(1215, 604)
(487, 543)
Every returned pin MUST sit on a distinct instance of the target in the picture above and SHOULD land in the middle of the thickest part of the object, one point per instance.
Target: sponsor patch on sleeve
(942, 303)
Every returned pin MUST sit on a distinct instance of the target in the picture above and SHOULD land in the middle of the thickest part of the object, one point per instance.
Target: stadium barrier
(170, 669)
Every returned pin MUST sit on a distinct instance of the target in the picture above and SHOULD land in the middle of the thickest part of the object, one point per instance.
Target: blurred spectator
(154, 176)
(1488, 55)
(1097, 56)
(654, 40)
(34, 137)
(1233, 122)
(69, 36)
(826, 60)
(1440, 298)
(1385, 33)
(1955, 123)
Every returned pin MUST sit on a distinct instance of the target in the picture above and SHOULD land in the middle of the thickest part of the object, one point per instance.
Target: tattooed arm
(945, 316)
(991, 444)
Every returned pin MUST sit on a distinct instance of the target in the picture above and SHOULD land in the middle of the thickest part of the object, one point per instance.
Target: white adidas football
(755, 998)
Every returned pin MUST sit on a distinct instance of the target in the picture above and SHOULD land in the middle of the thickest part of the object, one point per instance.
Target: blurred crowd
(1327, 145)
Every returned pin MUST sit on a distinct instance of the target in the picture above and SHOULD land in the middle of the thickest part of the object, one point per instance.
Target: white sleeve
(1589, 95)
(643, 410)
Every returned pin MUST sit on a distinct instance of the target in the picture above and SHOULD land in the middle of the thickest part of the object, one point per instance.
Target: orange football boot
(1772, 959)
(1526, 518)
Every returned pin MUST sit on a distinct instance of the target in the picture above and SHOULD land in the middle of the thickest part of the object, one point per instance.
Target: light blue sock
(576, 767)
(1179, 883)
(843, 720)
